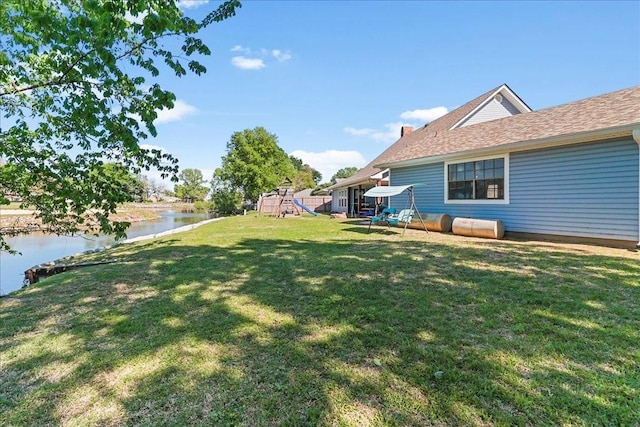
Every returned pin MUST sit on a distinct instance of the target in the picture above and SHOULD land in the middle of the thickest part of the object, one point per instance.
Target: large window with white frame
(482, 180)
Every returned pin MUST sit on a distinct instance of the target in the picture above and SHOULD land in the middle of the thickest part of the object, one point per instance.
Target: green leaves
(191, 187)
(73, 79)
(226, 10)
(197, 68)
(255, 163)
(344, 173)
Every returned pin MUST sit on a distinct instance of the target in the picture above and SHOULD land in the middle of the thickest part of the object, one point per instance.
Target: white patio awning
(390, 190)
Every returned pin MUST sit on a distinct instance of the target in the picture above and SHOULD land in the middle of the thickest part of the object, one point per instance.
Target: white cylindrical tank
(492, 229)
(434, 222)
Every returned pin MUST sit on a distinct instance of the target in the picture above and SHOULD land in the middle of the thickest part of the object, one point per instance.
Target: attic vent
(498, 98)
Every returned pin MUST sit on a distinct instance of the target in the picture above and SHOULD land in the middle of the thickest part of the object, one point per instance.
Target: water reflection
(38, 248)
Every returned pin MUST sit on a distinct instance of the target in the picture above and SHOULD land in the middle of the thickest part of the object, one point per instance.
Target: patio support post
(636, 138)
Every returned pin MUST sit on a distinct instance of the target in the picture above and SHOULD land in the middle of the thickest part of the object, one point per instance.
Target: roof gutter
(531, 144)
(351, 183)
(347, 184)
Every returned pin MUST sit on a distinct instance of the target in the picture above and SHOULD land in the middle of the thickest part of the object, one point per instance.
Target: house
(571, 170)
(348, 193)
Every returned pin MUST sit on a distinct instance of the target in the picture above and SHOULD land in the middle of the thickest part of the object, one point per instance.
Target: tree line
(254, 164)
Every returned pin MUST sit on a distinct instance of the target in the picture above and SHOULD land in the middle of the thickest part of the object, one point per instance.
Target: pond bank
(33, 274)
(14, 221)
(37, 247)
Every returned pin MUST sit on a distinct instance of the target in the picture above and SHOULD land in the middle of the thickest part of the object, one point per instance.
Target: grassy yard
(311, 321)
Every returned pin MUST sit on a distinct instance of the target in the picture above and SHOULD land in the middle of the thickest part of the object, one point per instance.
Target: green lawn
(311, 321)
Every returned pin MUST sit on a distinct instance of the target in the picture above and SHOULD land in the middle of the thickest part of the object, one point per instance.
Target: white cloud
(425, 115)
(251, 59)
(280, 55)
(390, 135)
(179, 111)
(331, 161)
(191, 4)
(239, 48)
(247, 63)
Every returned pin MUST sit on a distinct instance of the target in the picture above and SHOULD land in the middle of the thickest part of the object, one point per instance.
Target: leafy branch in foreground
(77, 92)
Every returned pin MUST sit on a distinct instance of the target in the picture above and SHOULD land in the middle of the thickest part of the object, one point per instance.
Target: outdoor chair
(405, 215)
(382, 217)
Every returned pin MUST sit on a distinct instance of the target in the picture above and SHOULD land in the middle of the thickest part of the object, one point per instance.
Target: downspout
(636, 138)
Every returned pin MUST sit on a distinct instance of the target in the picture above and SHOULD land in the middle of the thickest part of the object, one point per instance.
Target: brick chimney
(405, 130)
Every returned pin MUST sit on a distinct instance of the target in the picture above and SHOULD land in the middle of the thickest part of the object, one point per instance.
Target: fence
(320, 204)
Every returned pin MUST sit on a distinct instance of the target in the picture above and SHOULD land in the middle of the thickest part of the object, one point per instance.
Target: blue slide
(304, 207)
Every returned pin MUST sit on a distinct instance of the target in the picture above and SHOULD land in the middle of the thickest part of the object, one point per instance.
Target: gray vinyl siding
(583, 190)
(491, 111)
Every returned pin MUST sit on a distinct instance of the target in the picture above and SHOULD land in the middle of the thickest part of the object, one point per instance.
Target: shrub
(203, 206)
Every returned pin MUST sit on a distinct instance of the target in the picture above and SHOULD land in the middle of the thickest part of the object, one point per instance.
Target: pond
(38, 248)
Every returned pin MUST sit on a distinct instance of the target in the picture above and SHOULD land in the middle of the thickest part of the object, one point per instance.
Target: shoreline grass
(17, 221)
(256, 321)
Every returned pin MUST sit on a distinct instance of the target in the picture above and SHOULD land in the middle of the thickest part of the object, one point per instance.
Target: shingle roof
(608, 111)
(438, 125)
(599, 113)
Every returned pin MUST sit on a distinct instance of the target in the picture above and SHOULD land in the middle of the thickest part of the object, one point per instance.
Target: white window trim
(504, 201)
(342, 198)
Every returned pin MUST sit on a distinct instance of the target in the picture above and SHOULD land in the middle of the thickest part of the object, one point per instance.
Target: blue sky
(335, 80)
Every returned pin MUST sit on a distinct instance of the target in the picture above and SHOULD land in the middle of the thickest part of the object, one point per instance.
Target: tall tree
(306, 176)
(254, 163)
(226, 198)
(78, 89)
(192, 185)
(317, 176)
(297, 163)
(344, 173)
(132, 186)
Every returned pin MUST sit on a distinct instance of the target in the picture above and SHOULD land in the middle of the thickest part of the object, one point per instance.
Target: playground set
(286, 203)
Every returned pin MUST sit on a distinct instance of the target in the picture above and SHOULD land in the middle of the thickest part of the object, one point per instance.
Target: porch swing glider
(388, 216)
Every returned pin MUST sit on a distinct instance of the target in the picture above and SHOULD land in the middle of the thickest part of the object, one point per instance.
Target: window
(342, 198)
(477, 180)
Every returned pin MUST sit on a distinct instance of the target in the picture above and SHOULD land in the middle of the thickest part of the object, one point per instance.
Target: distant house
(157, 198)
(572, 170)
(13, 197)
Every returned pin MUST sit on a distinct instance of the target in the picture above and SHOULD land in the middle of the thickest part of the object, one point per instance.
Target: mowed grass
(310, 321)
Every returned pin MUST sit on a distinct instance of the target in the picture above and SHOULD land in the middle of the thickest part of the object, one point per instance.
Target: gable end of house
(503, 102)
